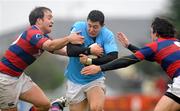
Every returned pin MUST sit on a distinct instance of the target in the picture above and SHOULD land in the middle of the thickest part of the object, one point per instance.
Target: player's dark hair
(163, 27)
(36, 13)
(96, 16)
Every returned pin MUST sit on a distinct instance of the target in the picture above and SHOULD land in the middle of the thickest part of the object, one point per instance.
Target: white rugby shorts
(11, 88)
(76, 92)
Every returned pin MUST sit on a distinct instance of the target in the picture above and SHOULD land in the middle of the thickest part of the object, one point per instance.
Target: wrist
(88, 61)
(102, 68)
(68, 39)
(99, 68)
(128, 46)
(89, 50)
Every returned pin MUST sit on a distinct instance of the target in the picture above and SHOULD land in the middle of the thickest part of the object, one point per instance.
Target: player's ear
(39, 21)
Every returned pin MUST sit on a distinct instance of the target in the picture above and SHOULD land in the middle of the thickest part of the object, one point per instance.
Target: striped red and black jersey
(23, 51)
(166, 52)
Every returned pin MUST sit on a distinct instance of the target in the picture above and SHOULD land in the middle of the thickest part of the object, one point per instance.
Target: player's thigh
(167, 104)
(82, 106)
(35, 96)
(96, 96)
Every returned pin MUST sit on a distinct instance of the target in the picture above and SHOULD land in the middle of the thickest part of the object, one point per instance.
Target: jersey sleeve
(147, 52)
(76, 28)
(110, 44)
(35, 38)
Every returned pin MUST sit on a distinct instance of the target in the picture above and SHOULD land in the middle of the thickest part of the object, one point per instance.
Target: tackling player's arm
(61, 51)
(105, 58)
(115, 64)
(52, 45)
(122, 38)
(132, 48)
(120, 63)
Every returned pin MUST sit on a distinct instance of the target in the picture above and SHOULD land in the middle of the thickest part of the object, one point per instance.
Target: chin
(48, 31)
(93, 35)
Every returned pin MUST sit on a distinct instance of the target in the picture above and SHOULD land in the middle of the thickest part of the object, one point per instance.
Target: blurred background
(135, 88)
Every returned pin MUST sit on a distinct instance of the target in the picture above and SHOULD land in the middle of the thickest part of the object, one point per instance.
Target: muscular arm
(52, 45)
(61, 51)
(120, 63)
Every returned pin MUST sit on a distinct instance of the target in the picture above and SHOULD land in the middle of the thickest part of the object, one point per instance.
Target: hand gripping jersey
(23, 52)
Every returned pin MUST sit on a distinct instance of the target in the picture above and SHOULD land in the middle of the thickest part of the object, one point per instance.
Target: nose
(90, 29)
(52, 21)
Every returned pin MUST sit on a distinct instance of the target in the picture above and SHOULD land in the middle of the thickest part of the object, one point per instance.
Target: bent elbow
(49, 46)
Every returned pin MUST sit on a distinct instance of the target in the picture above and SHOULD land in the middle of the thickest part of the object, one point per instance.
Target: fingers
(120, 35)
(78, 32)
(90, 70)
(81, 39)
(85, 70)
(122, 39)
(81, 55)
(96, 49)
(76, 39)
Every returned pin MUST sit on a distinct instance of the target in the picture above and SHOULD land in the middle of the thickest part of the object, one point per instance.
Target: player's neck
(39, 28)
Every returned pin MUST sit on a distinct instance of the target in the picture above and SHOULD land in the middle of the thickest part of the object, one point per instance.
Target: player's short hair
(96, 16)
(36, 13)
(163, 27)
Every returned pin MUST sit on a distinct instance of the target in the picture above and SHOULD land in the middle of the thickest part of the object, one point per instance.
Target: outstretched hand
(90, 70)
(122, 38)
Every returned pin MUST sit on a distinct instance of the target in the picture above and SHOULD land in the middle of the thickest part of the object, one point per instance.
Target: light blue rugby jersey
(107, 41)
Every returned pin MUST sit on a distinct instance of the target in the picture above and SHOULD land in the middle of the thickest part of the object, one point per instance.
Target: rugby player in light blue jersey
(88, 91)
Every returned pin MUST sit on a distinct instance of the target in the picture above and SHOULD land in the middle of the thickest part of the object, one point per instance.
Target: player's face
(153, 35)
(93, 28)
(47, 22)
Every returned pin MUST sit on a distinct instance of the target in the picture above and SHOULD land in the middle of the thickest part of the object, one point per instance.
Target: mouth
(93, 34)
(50, 25)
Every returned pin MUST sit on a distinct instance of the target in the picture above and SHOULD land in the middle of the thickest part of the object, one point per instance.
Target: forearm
(76, 50)
(105, 59)
(60, 43)
(119, 63)
(62, 52)
(132, 48)
(52, 45)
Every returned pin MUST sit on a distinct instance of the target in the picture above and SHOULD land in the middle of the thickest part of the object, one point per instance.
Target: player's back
(22, 52)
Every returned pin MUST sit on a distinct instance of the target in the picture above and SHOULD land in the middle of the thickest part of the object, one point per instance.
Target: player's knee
(96, 107)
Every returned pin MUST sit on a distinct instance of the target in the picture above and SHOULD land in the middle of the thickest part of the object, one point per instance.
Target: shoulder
(80, 23)
(152, 45)
(33, 31)
(106, 32)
